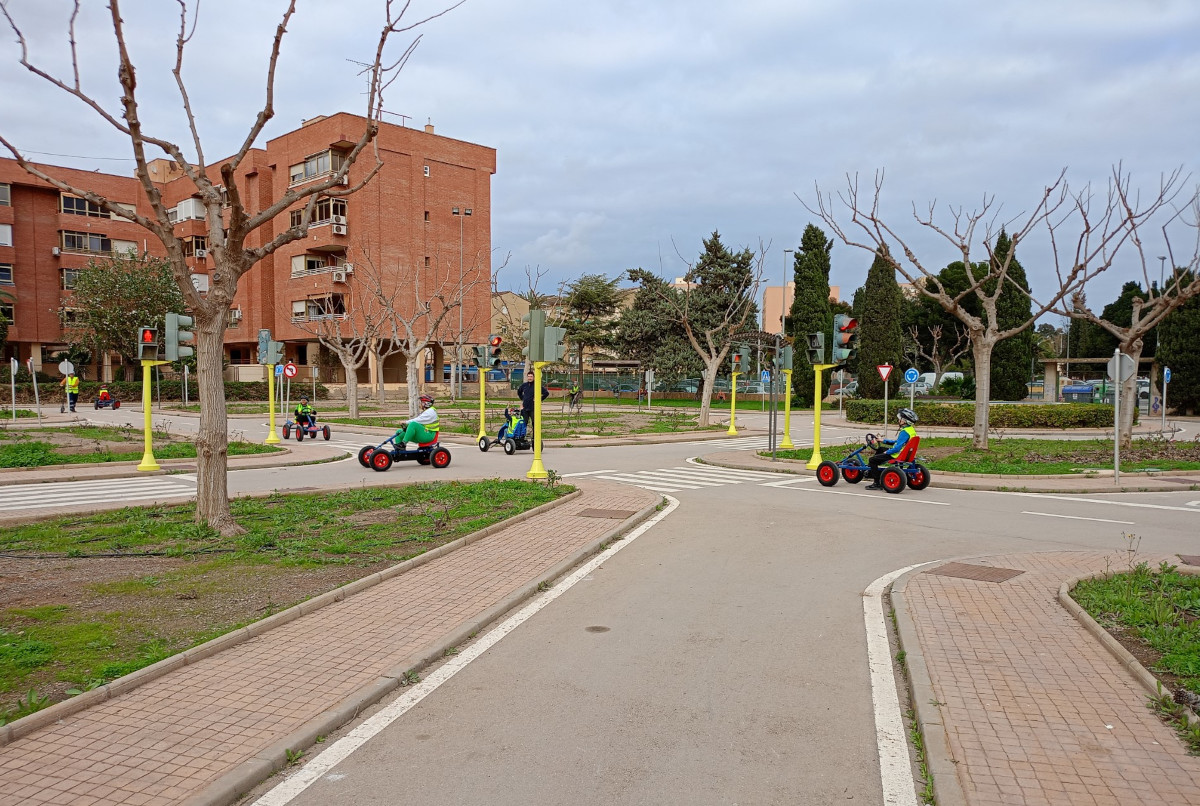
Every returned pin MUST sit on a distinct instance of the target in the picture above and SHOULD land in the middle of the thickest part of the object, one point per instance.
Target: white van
(927, 377)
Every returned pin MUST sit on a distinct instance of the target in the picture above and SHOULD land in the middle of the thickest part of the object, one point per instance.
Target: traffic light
(741, 358)
(264, 341)
(554, 348)
(275, 352)
(178, 344)
(480, 356)
(785, 358)
(535, 335)
(816, 348)
(492, 352)
(845, 338)
(147, 344)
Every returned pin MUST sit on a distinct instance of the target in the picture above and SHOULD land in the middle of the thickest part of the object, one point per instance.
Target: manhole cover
(1190, 559)
(980, 573)
(617, 514)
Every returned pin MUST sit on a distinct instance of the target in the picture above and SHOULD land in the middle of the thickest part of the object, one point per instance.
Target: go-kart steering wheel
(872, 442)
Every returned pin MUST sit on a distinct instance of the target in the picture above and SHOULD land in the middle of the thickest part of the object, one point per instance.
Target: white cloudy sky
(626, 129)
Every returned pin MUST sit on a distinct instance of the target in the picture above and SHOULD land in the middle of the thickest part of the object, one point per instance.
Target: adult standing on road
(525, 392)
(71, 384)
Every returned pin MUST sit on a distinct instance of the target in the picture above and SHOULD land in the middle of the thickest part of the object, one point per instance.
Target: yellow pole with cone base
(148, 461)
(482, 395)
(272, 437)
(733, 404)
(816, 454)
(537, 470)
(787, 411)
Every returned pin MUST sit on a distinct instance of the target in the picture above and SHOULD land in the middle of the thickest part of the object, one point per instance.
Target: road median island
(75, 445)
(100, 597)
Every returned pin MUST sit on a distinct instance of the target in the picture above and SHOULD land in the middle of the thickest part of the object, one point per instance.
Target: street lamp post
(456, 375)
(1162, 264)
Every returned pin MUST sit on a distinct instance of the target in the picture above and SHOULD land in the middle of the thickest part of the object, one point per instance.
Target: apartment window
(6, 235)
(85, 242)
(427, 170)
(70, 316)
(326, 306)
(427, 261)
(5, 195)
(6, 274)
(69, 276)
(233, 318)
(190, 245)
(124, 247)
(7, 314)
(74, 205)
(325, 162)
(426, 215)
(130, 208)
(309, 264)
(325, 211)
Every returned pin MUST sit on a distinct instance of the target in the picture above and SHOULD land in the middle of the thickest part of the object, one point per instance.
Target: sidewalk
(1019, 702)
(218, 723)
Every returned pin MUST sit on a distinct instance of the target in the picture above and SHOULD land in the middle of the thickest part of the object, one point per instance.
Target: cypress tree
(880, 339)
(1178, 335)
(1011, 358)
(810, 308)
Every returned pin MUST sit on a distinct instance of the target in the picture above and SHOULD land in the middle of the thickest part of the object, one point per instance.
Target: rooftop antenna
(367, 67)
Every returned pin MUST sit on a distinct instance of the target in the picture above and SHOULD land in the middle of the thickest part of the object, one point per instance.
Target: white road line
(658, 488)
(882, 496)
(727, 471)
(1076, 518)
(21, 494)
(1092, 501)
(794, 480)
(895, 768)
(1193, 504)
(587, 473)
(672, 476)
(340, 750)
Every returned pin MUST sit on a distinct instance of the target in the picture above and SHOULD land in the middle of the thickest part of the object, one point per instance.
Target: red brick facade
(400, 226)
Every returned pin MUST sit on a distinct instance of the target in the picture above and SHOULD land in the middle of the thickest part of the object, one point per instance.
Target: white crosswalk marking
(68, 493)
(690, 477)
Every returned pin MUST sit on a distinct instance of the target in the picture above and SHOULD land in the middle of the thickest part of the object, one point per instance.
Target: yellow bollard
(816, 454)
(787, 411)
(482, 396)
(148, 461)
(537, 470)
(272, 437)
(733, 404)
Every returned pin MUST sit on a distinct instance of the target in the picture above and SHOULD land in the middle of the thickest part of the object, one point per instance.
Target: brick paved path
(1035, 709)
(173, 736)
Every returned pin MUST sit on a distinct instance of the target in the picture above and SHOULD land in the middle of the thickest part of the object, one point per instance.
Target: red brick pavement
(1035, 709)
(173, 736)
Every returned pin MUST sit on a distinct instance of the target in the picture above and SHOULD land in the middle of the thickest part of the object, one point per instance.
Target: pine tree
(810, 312)
(1178, 335)
(880, 336)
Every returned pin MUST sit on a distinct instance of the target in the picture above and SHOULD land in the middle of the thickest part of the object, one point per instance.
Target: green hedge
(132, 390)
(962, 415)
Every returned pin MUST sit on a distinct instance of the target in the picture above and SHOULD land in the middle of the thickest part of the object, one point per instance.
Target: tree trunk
(351, 371)
(706, 389)
(981, 349)
(212, 442)
(413, 376)
(1129, 398)
(382, 394)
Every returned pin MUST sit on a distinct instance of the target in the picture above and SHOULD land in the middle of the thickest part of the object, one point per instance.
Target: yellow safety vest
(73, 384)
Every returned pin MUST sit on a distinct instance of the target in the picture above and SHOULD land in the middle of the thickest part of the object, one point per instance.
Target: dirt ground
(65, 441)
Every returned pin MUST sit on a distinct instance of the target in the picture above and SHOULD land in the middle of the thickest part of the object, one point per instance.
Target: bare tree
(1150, 310)
(233, 226)
(1098, 229)
(940, 356)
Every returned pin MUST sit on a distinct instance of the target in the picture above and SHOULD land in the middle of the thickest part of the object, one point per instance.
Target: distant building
(773, 311)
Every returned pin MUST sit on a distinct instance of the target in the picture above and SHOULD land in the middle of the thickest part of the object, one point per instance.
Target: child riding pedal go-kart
(515, 435)
(304, 422)
(893, 466)
(422, 430)
(104, 400)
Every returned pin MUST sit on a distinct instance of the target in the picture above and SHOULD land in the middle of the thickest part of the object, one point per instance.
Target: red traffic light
(494, 340)
(847, 323)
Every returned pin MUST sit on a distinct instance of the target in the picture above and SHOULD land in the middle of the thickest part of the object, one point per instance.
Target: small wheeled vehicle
(310, 429)
(905, 470)
(107, 402)
(382, 456)
(515, 435)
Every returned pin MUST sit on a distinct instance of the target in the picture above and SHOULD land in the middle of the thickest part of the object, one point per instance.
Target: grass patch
(555, 423)
(42, 447)
(179, 583)
(22, 414)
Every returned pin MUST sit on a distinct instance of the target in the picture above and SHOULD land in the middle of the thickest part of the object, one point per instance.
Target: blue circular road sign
(1167, 375)
(911, 375)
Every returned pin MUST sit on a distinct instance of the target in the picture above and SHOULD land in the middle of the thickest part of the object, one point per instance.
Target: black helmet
(907, 415)
(426, 401)
(304, 398)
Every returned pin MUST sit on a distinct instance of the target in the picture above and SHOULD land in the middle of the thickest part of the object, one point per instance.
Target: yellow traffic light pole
(537, 470)
(787, 411)
(272, 437)
(733, 404)
(482, 398)
(816, 454)
(148, 461)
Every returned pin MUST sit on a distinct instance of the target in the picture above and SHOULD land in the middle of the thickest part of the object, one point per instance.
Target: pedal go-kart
(905, 470)
(310, 429)
(381, 457)
(110, 402)
(514, 435)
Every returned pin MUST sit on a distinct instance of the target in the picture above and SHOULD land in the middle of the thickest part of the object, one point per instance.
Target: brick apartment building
(422, 222)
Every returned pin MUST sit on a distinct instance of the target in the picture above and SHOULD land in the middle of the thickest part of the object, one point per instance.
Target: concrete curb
(47, 716)
(943, 768)
(231, 786)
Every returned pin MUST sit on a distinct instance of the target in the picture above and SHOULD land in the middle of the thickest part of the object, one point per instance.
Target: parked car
(752, 388)
(922, 388)
(848, 390)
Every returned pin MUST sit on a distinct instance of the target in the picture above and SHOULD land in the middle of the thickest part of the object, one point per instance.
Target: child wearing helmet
(889, 449)
(306, 415)
(422, 428)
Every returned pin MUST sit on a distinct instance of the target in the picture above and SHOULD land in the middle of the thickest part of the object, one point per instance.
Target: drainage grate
(1189, 559)
(616, 514)
(980, 573)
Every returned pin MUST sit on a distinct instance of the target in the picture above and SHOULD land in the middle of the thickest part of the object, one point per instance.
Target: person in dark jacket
(525, 392)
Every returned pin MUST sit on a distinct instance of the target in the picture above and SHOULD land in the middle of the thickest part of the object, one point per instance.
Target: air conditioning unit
(348, 268)
(236, 314)
(339, 229)
(56, 251)
(339, 276)
(345, 180)
(201, 253)
(339, 219)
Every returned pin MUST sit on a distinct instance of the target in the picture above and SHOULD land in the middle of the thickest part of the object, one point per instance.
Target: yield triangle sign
(884, 370)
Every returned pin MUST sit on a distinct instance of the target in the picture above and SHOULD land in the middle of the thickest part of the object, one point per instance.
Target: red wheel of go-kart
(892, 480)
(381, 460)
(287, 432)
(827, 474)
(851, 475)
(364, 455)
(325, 432)
(440, 458)
(299, 433)
(918, 477)
(116, 404)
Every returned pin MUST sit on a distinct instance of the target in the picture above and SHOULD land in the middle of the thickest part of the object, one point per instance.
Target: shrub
(962, 415)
